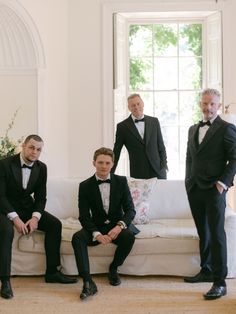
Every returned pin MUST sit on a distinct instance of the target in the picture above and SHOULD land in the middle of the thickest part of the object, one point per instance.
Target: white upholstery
(168, 245)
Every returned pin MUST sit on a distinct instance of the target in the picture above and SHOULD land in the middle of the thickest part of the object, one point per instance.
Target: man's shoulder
(8, 160)
(87, 181)
(118, 178)
(41, 164)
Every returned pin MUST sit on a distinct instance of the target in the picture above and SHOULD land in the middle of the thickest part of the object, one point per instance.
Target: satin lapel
(112, 193)
(210, 132)
(16, 169)
(132, 128)
(96, 192)
(33, 175)
(148, 129)
(195, 140)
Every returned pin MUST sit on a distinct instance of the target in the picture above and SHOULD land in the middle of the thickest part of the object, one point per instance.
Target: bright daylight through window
(166, 69)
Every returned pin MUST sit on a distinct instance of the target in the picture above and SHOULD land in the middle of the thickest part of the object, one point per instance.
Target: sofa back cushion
(62, 197)
(169, 200)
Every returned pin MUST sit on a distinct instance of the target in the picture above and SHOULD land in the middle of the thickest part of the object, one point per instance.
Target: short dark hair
(34, 137)
(104, 151)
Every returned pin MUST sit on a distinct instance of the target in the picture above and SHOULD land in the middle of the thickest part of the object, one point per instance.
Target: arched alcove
(21, 58)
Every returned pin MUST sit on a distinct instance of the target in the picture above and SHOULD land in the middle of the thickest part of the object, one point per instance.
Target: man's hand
(103, 239)
(32, 224)
(113, 233)
(219, 188)
(20, 225)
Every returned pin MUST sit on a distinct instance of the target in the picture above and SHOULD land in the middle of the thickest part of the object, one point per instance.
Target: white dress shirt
(139, 125)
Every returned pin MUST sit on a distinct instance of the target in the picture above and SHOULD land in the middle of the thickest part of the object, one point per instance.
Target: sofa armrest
(230, 229)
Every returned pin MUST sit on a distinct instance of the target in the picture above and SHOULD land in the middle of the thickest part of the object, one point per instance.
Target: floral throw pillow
(140, 190)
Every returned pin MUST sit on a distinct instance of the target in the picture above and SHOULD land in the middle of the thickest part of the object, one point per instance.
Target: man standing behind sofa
(142, 137)
(210, 170)
(21, 176)
(106, 210)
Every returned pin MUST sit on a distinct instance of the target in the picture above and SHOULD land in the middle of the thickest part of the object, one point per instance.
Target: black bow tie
(103, 181)
(201, 123)
(26, 166)
(138, 120)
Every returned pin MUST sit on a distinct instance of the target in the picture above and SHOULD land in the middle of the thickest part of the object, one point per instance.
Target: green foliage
(163, 37)
(7, 145)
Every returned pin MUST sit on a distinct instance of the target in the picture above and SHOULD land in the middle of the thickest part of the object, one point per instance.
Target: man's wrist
(122, 224)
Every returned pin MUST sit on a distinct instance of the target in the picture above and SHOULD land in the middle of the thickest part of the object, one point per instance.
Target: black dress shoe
(89, 288)
(200, 277)
(58, 277)
(215, 292)
(6, 290)
(114, 278)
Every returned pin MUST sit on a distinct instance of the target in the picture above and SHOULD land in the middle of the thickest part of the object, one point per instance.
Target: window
(168, 62)
(165, 68)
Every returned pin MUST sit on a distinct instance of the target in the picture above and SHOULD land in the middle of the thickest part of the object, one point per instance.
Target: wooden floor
(141, 295)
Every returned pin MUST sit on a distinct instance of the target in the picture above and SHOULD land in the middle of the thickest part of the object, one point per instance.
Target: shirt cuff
(95, 234)
(37, 215)
(121, 222)
(223, 185)
(12, 215)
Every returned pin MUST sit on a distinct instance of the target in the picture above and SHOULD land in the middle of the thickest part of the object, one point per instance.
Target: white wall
(51, 20)
(71, 97)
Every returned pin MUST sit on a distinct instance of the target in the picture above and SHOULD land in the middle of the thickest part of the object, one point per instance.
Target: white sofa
(167, 245)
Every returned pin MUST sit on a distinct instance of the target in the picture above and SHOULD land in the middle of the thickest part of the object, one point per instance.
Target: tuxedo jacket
(12, 195)
(91, 212)
(142, 152)
(214, 159)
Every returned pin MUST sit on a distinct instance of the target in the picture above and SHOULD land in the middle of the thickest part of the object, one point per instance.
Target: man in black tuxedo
(142, 137)
(106, 211)
(210, 170)
(22, 201)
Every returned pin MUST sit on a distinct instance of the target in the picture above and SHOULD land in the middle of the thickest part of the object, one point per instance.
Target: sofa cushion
(162, 231)
(140, 190)
(168, 228)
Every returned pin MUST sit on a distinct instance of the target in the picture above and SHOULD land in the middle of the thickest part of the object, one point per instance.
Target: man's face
(31, 150)
(209, 106)
(103, 165)
(135, 106)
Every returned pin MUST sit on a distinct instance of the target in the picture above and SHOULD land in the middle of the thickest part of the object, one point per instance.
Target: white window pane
(166, 107)
(165, 73)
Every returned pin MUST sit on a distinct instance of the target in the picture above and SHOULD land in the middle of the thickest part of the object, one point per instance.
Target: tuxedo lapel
(96, 192)
(148, 129)
(33, 175)
(194, 137)
(210, 132)
(112, 193)
(132, 128)
(16, 169)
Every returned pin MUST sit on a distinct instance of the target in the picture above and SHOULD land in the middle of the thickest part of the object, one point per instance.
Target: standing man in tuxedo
(210, 170)
(142, 137)
(106, 211)
(22, 201)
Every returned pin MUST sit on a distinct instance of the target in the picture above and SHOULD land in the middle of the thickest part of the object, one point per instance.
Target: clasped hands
(108, 238)
(26, 228)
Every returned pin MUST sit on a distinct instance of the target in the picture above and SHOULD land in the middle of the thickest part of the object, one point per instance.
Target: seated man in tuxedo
(106, 211)
(22, 201)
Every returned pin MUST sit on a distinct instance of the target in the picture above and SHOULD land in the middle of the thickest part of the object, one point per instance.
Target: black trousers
(82, 239)
(208, 210)
(47, 223)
